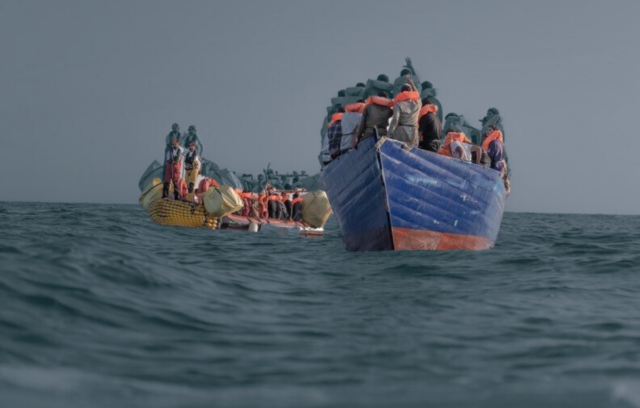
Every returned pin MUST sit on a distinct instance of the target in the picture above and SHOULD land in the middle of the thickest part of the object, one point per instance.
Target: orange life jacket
(357, 107)
(407, 96)
(238, 191)
(430, 108)
(273, 198)
(296, 201)
(445, 150)
(379, 100)
(495, 135)
(335, 117)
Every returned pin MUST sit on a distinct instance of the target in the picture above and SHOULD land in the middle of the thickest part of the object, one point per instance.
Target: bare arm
(394, 120)
(478, 151)
(411, 84)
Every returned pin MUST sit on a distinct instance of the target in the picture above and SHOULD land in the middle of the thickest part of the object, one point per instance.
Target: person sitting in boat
(429, 126)
(406, 109)
(192, 137)
(456, 144)
(192, 168)
(402, 79)
(173, 170)
(454, 119)
(375, 116)
(296, 207)
(380, 84)
(350, 124)
(334, 134)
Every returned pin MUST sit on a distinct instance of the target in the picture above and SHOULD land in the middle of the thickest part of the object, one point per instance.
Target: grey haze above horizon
(89, 90)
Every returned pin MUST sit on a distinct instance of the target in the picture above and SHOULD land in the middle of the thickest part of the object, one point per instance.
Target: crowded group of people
(182, 168)
(409, 113)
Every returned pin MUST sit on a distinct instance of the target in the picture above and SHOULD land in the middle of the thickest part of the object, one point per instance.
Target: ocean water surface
(100, 307)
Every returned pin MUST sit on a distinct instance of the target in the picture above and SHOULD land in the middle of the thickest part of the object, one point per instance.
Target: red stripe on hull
(412, 239)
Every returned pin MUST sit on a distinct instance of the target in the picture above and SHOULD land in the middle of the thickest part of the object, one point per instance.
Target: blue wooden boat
(386, 197)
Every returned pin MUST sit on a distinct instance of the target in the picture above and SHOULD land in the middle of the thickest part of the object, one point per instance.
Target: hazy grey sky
(89, 90)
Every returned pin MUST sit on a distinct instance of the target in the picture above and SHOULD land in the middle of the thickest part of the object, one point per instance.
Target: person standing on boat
(173, 135)
(350, 124)
(428, 91)
(192, 137)
(402, 79)
(493, 144)
(429, 126)
(375, 116)
(406, 109)
(334, 133)
(173, 170)
(192, 167)
(296, 207)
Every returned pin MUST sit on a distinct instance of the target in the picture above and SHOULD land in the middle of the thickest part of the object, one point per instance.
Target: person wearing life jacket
(375, 86)
(429, 126)
(493, 144)
(350, 123)
(192, 137)
(274, 200)
(173, 135)
(406, 110)
(428, 91)
(334, 134)
(375, 116)
(454, 135)
(192, 168)
(471, 132)
(173, 170)
(296, 207)
(402, 79)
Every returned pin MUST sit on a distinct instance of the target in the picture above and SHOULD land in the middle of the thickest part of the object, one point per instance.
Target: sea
(100, 307)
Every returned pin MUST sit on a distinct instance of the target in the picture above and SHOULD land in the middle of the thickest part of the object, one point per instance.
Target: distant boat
(385, 198)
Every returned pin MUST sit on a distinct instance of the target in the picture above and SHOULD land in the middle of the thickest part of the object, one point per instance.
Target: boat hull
(386, 197)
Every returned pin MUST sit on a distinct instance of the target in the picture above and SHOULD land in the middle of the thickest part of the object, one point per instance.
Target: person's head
(451, 115)
(360, 101)
(341, 109)
(174, 142)
(426, 101)
(192, 146)
(175, 127)
(405, 88)
(192, 129)
(383, 94)
(492, 128)
(360, 85)
(383, 78)
(296, 195)
(405, 71)
(492, 111)
(426, 85)
(342, 93)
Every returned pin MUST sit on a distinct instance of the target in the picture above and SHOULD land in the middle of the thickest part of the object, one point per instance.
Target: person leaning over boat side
(429, 126)
(458, 146)
(296, 207)
(350, 124)
(493, 144)
(406, 108)
(334, 133)
(192, 167)
(172, 170)
(375, 116)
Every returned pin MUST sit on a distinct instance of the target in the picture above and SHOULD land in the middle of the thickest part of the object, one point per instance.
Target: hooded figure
(192, 137)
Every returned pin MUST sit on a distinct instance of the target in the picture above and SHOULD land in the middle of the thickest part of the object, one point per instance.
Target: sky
(89, 89)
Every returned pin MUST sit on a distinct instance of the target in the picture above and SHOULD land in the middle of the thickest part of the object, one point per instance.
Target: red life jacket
(357, 107)
(430, 108)
(495, 135)
(407, 96)
(296, 201)
(445, 150)
(335, 117)
(379, 100)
